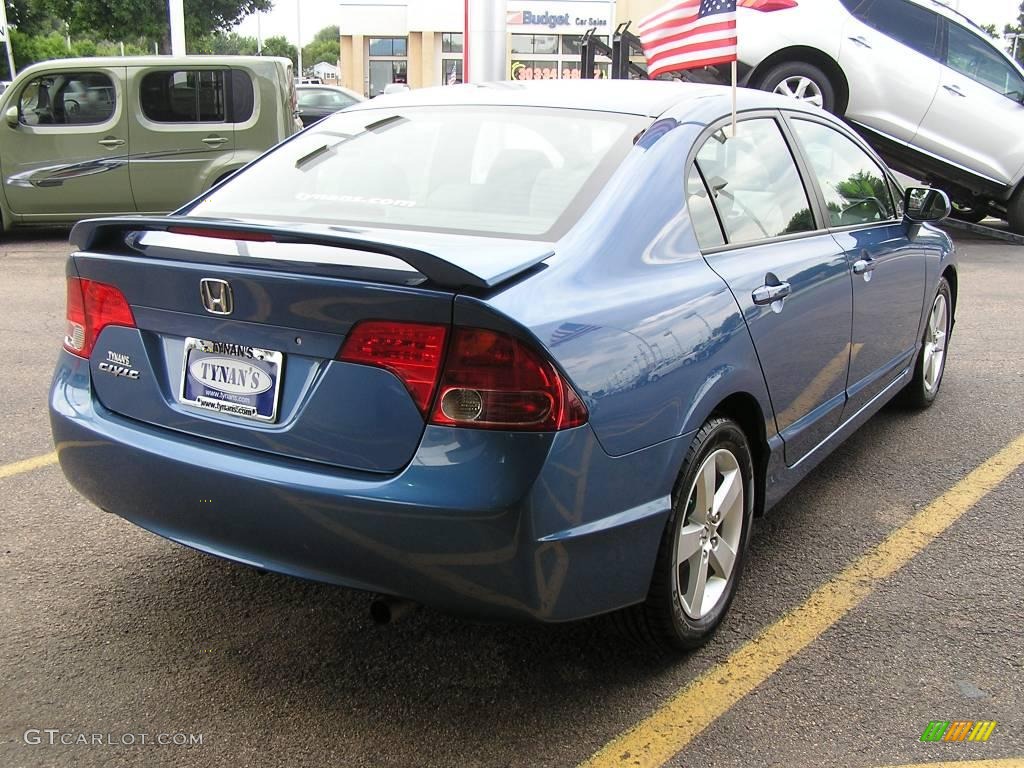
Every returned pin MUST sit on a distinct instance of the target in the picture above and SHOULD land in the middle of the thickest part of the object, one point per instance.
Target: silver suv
(921, 82)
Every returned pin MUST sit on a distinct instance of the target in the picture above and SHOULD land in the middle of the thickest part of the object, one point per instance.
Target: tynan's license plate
(231, 378)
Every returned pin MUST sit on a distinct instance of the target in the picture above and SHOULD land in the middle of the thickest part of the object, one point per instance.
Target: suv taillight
(92, 307)
(486, 380)
(495, 381)
(768, 5)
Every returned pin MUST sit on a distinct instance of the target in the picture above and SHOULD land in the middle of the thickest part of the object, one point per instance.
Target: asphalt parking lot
(110, 631)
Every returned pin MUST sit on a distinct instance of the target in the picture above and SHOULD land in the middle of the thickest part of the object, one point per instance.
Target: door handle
(955, 90)
(110, 142)
(865, 266)
(214, 141)
(859, 40)
(769, 294)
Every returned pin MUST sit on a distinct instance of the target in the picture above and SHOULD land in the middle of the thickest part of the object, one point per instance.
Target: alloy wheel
(801, 88)
(935, 343)
(709, 538)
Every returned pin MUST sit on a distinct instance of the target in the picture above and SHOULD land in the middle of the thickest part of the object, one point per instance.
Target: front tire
(803, 82)
(704, 545)
(931, 360)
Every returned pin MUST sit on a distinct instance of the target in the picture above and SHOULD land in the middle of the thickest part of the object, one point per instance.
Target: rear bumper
(493, 525)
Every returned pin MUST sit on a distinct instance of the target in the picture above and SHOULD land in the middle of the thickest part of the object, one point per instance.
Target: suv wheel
(1015, 211)
(802, 81)
(969, 212)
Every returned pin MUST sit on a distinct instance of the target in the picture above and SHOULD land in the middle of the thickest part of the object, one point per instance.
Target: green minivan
(146, 134)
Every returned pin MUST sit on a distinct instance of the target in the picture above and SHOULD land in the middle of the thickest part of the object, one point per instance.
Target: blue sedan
(535, 350)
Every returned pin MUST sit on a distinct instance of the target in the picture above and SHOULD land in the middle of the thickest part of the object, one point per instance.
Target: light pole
(176, 9)
(298, 24)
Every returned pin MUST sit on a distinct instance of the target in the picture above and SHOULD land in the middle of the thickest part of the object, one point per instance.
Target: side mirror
(12, 116)
(923, 205)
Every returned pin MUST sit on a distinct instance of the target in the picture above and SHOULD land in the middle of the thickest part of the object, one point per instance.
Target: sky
(317, 14)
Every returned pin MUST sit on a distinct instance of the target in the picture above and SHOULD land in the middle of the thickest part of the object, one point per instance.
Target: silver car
(921, 82)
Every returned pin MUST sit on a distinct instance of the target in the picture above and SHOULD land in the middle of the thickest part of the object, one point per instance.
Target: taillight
(495, 381)
(92, 307)
(768, 5)
(412, 351)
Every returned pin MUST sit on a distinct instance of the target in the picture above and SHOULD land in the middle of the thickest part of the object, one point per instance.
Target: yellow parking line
(1010, 762)
(669, 729)
(37, 462)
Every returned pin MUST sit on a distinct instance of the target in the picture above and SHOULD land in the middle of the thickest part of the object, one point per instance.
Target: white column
(176, 9)
(486, 41)
(6, 33)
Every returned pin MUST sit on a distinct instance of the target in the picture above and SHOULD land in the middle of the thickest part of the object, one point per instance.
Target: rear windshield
(509, 171)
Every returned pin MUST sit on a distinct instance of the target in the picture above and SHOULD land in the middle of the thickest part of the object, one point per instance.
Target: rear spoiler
(451, 261)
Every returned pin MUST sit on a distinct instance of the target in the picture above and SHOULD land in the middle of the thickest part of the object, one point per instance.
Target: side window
(754, 183)
(67, 98)
(905, 22)
(855, 188)
(969, 55)
(702, 212)
(184, 96)
(243, 96)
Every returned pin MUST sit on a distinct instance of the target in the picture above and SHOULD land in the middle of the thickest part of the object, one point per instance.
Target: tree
(130, 19)
(1016, 31)
(990, 30)
(231, 44)
(279, 46)
(325, 46)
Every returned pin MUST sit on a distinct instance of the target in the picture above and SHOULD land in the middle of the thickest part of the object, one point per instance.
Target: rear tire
(973, 214)
(704, 545)
(1015, 211)
(930, 366)
(802, 81)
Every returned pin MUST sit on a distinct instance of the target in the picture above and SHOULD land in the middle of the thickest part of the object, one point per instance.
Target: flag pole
(734, 98)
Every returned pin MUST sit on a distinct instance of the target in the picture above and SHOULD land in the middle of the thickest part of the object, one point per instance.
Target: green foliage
(231, 44)
(990, 30)
(279, 46)
(97, 27)
(325, 46)
(148, 18)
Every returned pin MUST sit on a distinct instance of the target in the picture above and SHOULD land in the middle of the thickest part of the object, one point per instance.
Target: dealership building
(420, 42)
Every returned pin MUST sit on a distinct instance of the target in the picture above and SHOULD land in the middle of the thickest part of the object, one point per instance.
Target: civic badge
(216, 296)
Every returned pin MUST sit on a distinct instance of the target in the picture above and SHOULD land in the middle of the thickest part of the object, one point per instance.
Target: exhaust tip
(388, 610)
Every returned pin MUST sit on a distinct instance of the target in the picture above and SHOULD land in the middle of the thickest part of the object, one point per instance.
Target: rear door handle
(955, 90)
(859, 40)
(110, 141)
(865, 266)
(214, 141)
(769, 294)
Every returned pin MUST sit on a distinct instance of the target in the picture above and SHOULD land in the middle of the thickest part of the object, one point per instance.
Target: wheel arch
(745, 409)
(951, 277)
(808, 55)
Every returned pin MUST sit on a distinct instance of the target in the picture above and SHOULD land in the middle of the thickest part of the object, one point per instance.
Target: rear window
(197, 96)
(510, 171)
(905, 22)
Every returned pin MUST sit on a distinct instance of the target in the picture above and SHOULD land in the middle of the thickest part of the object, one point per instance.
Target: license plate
(232, 379)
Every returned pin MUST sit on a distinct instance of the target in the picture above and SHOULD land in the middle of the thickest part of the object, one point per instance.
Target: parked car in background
(535, 350)
(315, 102)
(86, 136)
(928, 88)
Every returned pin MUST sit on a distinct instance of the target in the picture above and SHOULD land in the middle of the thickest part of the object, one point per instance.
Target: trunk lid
(294, 295)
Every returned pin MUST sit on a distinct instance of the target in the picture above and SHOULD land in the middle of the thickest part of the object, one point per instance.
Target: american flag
(686, 34)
